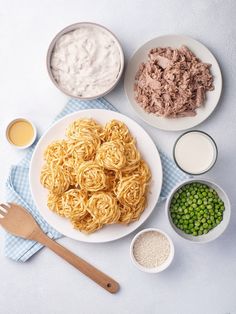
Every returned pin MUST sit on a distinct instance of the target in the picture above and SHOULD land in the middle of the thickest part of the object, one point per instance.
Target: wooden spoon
(16, 220)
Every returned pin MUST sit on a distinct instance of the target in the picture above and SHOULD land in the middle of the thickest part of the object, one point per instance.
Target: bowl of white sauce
(195, 152)
(85, 60)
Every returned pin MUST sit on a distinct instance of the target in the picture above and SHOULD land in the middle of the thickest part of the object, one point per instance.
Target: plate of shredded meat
(173, 82)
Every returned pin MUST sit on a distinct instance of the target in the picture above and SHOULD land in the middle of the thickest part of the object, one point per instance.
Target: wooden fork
(16, 220)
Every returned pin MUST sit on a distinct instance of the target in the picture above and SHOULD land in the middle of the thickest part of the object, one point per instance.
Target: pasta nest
(91, 177)
(132, 156)
(74, 203)
(55, 203)
(131, 214)
(116, 130)
(55, 178)
(130, 190)
(84, 148)
(86, 224)
(56, 152)
(73, 163)
(104, 208)
(141, 169)
(83, 127)
(110, 155)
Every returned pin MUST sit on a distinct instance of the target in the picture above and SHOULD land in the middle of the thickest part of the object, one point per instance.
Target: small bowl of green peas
(198, 210)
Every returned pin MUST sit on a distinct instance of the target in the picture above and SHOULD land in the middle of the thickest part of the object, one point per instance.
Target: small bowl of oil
(21, 133)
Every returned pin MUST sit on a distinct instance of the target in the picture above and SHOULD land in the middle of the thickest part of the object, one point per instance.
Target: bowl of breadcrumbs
(151, 250)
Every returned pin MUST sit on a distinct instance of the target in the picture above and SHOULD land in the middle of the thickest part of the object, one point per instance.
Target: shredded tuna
(172, 83)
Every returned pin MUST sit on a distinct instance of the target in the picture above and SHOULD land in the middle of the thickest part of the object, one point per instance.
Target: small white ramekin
(163, 266)
(14, 121)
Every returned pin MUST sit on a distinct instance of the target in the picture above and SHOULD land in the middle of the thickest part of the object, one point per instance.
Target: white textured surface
(201, 278)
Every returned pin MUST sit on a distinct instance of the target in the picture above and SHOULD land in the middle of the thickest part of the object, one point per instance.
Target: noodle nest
(104, 208)
(96, 176)
(111, 155)
(91, 176)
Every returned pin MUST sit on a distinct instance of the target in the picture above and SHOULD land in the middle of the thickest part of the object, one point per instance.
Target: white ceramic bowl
(162, 266)
(14, 121)
(72, 28)
(213, 233)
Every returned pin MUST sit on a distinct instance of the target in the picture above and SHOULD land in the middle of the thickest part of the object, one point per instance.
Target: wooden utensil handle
(93, 273)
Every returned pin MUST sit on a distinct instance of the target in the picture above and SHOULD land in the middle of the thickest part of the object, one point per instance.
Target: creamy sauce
(86, 62)
(195, 152)
(20, 133)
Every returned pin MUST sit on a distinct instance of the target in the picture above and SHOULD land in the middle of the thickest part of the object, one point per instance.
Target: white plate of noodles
(95, 175)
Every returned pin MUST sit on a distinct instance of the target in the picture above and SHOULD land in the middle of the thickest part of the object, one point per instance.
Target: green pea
(195, 208)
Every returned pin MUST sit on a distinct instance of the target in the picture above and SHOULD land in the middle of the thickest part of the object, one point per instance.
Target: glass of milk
(195, 152)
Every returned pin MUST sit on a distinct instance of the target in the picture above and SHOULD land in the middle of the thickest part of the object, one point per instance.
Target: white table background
(201, 279)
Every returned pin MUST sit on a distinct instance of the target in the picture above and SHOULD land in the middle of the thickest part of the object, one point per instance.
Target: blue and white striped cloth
(18, 190)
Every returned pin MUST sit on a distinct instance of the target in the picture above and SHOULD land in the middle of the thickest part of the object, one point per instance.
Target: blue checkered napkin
(18, 190)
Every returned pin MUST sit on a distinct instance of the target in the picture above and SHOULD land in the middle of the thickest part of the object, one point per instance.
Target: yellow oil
(21, 133)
